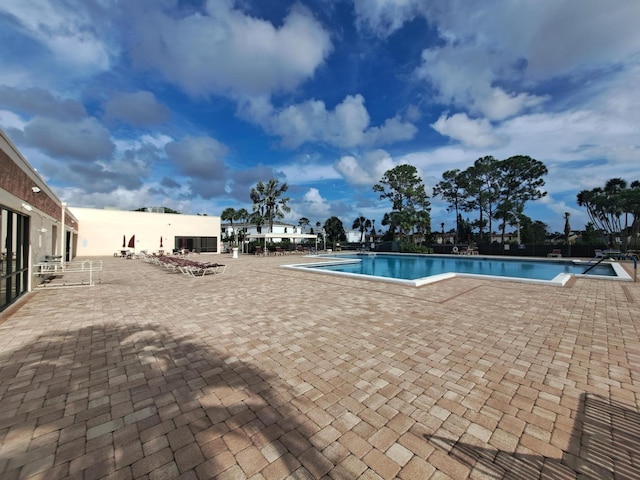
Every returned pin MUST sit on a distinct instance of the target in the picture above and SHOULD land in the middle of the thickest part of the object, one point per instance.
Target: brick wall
(16, 181)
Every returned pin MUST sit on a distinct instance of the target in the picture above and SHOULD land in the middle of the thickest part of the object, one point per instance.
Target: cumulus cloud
(198, 157)
(37, 101)
(392, 130)
(574, 35)
(315, 205)
(495, 52)
(224, 51)
(465, 77)
(201, 160)
(365, 170)
(86, 139)
(11, 121)
(476, 133)
(384, 17)
(138, 109)
(346, 126)
(98, 177)
(554, 39)
(66, 29)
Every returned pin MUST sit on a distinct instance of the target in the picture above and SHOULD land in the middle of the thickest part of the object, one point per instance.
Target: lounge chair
(259, 251)
(200, 270)
(556, 252)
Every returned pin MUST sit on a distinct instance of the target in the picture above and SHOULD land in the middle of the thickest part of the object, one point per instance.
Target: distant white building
(249, 229)
(252, 232)
(355, 236)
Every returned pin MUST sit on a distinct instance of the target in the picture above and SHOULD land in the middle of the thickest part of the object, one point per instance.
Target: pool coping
(559, 280)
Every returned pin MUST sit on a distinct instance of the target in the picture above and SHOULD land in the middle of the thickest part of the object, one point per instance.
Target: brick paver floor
(268, 373)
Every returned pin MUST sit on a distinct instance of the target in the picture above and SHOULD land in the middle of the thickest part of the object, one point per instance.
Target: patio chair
(259, 251)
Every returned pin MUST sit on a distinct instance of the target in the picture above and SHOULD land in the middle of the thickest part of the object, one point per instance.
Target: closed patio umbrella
(124, 241)
(161, 241)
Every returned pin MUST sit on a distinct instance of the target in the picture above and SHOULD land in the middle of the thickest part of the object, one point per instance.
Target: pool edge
(558, 281)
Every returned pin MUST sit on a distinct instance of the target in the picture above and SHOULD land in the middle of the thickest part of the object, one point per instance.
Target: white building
(107, 231)
(228, 229)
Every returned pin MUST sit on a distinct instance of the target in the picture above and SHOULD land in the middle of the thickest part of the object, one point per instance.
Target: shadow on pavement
(131, 401)
(604, 443)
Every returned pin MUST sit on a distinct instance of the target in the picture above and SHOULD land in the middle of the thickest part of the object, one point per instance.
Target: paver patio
(268, 373)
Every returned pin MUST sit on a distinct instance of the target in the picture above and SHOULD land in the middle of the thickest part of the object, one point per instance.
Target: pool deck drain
(267, 373)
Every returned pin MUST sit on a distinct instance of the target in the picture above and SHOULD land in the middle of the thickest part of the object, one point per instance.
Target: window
(14, 256)
(197, 244)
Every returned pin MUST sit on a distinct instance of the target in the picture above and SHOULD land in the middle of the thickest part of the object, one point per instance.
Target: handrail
(594, 265)
(626, 256)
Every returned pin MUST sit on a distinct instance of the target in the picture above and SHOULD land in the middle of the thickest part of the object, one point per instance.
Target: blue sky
(188, 103)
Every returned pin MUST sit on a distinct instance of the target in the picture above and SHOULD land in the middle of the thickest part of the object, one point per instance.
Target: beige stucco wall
(102, 230)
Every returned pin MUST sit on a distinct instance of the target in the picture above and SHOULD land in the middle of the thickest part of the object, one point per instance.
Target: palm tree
(362, 224)
(229, 215)
(243, 217)
(605, 207)
(632, 202)
(268, 200)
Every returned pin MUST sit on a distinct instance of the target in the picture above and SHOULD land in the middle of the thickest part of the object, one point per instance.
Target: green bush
(409, 247)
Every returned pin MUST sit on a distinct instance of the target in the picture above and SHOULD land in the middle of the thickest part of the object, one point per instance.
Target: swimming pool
(416, 270)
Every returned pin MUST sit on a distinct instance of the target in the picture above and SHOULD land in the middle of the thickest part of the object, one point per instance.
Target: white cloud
(315, 205)
(308, 170)
(392, 130)
(464, 77)
(224, 51)
(385, 16)
(495, 52)
(346, 126)
(476, 133)
(67, 30)
(367, 169)
(554, 39)
(9, 120)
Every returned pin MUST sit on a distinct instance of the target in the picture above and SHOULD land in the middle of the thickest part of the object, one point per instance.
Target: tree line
(614, 210)
(496, 191)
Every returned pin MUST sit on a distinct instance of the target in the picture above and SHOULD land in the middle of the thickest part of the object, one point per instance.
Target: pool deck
(270, 373)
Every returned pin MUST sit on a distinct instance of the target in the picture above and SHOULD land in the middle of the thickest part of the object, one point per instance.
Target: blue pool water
(418, 267)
